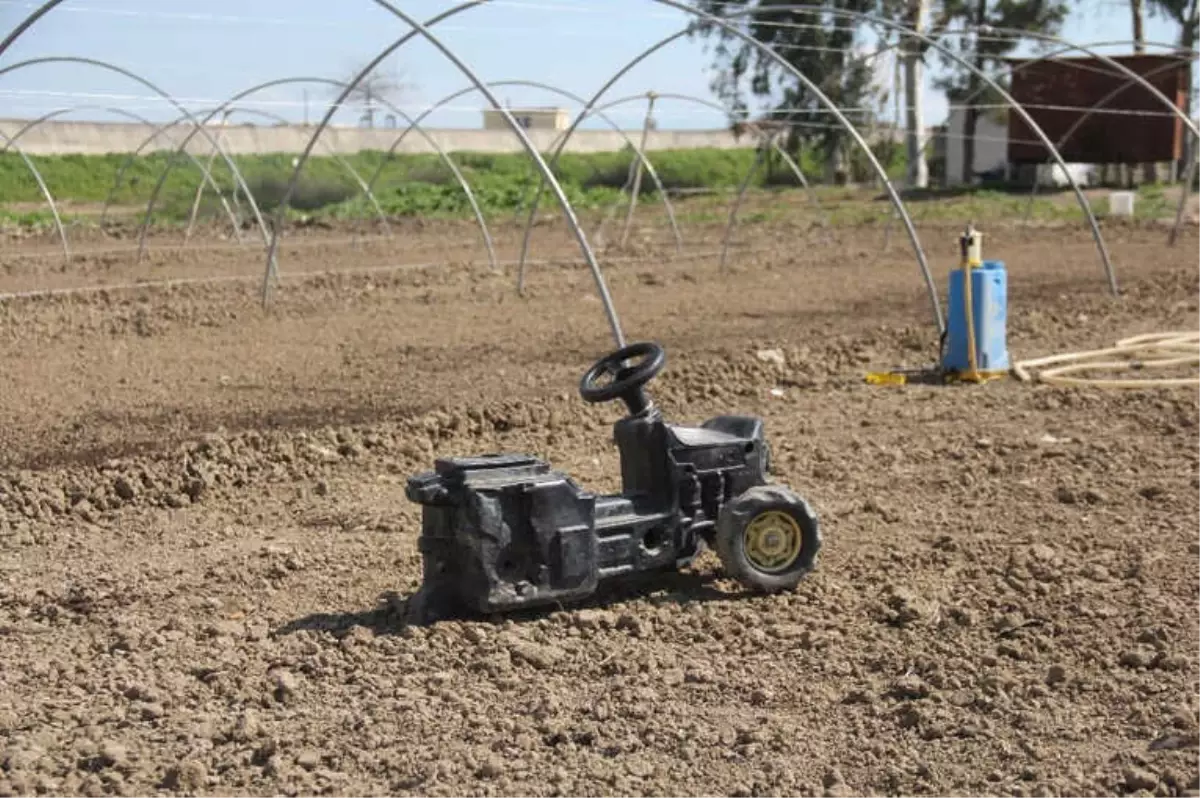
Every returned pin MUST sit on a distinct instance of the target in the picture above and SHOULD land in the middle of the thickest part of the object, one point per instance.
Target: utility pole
(914, 96)
(1137, 9)
(1189, 37)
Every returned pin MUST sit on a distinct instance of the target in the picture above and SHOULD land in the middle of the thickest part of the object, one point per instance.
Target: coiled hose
(1139, 353)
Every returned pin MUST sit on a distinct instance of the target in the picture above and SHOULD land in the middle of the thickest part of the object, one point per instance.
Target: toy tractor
(504, 531)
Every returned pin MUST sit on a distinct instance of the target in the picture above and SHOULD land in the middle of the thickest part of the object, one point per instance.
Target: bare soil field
(204, 535)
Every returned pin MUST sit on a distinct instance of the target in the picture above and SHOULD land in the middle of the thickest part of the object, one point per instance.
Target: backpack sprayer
(974, 347)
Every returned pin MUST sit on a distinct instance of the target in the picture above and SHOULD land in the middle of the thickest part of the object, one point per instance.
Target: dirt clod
(188, 776)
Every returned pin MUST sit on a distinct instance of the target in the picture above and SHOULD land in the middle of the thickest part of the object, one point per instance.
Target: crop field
(205, 542)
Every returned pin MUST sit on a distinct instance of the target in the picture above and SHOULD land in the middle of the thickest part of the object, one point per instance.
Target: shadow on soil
(160, 432)
(673, 587)
(986, 188)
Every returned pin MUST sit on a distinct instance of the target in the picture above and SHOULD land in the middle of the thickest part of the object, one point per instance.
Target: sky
(203, 52)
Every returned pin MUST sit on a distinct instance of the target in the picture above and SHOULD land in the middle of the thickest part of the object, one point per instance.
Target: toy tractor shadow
(392, 614)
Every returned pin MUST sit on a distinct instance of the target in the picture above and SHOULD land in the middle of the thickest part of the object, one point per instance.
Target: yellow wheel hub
(772, 541)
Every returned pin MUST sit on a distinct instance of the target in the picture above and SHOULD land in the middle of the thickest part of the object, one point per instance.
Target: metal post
(637, 175)
(212, 156)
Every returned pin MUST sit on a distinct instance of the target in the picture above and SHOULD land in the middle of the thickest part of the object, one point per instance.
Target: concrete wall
(64, 137)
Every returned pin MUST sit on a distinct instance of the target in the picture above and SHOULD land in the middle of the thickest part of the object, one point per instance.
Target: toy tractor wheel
(768, 538)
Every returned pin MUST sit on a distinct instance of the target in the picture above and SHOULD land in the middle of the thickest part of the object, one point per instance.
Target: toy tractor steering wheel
(628, 378)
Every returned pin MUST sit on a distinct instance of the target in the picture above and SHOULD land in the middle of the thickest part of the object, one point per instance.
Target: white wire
(150, 102)
(154, 101)
(825, 26)
(232, 19)
(882, 128)
(572, 7)
(237, 19)
(300, 275)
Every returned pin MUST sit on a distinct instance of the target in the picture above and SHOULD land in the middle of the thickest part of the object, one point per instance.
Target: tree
(984, 49)
(373, 89)
(1186, 14)
(820, 46)
(914, 95)
(1137, 11)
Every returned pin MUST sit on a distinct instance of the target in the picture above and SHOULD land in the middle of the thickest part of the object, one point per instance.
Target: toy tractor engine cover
(505, 531)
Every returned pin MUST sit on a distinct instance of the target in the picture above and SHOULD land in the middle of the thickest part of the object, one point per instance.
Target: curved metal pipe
(182, 147)
(1185, 189)
(1134, 76)
(1086, 116)
(799, 173)
(566, 137)
(195, 211)
(636, 189)
(765, 141)
(205, 171)
(160, 129)
(152, 87)
(641, 155)
(27, 23)
(228, 109)
(964, 63)
(367, 188)
(1040, 59)
(737, 202)
(131, 158)
(588, 110)
(37, 176)
(46, 7)
(471, 199)
(345, 164)
(592, 108)
(1136, 79)
(631, 187)
(423, 31)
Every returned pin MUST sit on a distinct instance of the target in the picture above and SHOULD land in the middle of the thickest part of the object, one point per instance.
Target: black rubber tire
(730, 537)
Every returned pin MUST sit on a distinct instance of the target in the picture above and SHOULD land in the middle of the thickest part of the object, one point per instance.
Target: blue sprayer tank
(989, 306)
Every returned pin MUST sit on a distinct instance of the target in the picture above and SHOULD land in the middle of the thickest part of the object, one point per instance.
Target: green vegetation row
(408, 185)
(422, 185)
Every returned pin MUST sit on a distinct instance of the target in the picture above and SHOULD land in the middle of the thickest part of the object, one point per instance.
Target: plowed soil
(204, 535)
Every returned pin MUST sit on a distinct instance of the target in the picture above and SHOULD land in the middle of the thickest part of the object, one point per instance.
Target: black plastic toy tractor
(504, 531)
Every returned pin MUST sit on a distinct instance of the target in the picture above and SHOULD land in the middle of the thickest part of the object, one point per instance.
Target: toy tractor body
(505, 531)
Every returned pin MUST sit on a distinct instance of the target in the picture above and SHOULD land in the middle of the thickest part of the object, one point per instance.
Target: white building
(991, 145)
(528, 118)
(991, 152)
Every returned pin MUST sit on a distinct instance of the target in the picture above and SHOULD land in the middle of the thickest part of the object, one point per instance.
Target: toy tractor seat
(718, 431)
